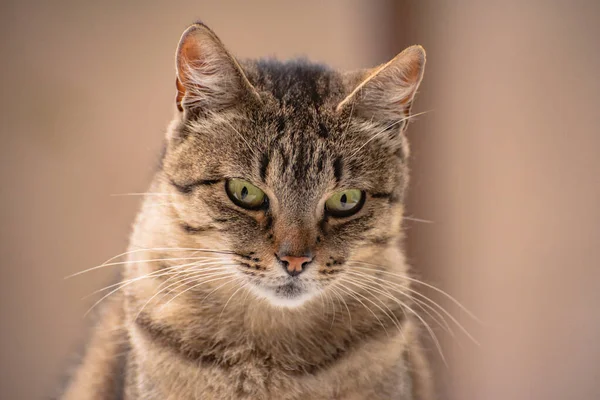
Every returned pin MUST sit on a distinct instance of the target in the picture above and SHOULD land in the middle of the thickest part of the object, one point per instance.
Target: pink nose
(294, 265)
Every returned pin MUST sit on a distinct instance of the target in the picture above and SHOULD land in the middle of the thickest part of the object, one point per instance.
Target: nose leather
(295, 265)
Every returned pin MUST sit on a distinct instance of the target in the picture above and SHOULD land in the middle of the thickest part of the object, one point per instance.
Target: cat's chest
(243, 372)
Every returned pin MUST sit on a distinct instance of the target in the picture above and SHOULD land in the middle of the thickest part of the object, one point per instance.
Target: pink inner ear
(388, 90)
(203, 70)
(199, 51)
(195, 46)
(207, 75)
(189, 58)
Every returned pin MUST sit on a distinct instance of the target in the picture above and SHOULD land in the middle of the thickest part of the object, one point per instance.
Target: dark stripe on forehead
(338, 167)
(264, 164)
(320, 161)
(322, 131)
(284, 157)
(280, 124)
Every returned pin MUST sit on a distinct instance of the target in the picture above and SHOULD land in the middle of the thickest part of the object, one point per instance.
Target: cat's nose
(294, 265)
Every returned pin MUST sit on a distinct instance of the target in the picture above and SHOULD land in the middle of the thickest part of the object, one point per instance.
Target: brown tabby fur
(300, 132)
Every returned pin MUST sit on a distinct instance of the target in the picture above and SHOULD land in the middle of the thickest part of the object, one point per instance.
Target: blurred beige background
(506, 166)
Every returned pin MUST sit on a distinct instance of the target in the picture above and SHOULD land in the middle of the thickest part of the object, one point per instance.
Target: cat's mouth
(289, 289)
(292, 293)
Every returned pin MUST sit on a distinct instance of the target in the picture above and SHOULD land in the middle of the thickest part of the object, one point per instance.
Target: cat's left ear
(208, 76)
(385, 93)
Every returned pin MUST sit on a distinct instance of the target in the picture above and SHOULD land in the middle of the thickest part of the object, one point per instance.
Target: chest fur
(374, 370)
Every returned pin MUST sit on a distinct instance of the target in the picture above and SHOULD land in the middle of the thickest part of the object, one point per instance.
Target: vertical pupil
(343, 199)
(244, 192)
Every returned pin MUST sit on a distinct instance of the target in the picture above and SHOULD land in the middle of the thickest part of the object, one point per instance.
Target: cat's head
(291, 167)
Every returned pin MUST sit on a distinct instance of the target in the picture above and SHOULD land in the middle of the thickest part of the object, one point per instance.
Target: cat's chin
(285, 296)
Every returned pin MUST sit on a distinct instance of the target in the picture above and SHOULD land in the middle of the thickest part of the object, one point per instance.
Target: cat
(266, 261)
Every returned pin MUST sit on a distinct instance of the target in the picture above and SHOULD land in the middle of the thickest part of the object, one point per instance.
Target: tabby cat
(266, 260)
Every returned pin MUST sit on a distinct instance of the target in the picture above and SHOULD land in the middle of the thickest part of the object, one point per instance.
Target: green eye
(245, 194)
(345, 203)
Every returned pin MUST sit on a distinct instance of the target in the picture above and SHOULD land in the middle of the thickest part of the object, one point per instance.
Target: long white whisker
(330, 297)
(422, 304)
(104, 297)
(442, 309)
(339, 297)
(380, 270)
(151, 249)
(196, 285)
(191, 276)
(425, 221)
(217, 288)
(231, 297)
(351, 292)
(241, 136)
(385, 130)
(158, 273)
(402, 304)
(246, 297)
(361, 285)
(204, 267)
(180, 283)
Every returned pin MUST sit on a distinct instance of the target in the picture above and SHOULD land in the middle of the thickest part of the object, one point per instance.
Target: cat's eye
(245, 194)
(345, 203)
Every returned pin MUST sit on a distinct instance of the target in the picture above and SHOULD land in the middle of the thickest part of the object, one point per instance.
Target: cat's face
(287, 166)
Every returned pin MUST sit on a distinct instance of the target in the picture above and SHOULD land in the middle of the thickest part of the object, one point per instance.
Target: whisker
(204, 267)
(339, 297)
(442, 309)
(350, 117)
(154, 274)
(429, 330)
(241, 136)
(197, 285)
(104, 297)
(422, 304)
(323, 310)
(380, 269)
(330, 297)
(191, 276)
(351, 292)
(425, 221)
(217, 288)
(231, 297)
(384, 130)
(181, 282)
(364, 287)
(246, 297)
(108, 262)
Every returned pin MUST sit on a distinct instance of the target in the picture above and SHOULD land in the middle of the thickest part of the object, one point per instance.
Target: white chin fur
(281, 301)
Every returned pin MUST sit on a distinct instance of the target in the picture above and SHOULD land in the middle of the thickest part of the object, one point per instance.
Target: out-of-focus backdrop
(506, 165)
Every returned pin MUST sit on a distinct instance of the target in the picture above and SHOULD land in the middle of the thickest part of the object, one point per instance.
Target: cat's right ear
(208, 76)
(386, 93)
